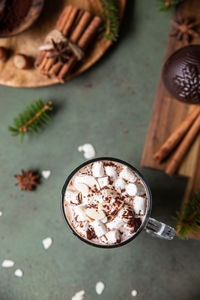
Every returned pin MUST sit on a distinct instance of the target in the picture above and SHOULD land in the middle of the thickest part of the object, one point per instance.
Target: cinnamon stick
(176, 136)
(184, 146)
(75, 35)
(66, 20)
(63, 18)
(70, 21)
(85, 39)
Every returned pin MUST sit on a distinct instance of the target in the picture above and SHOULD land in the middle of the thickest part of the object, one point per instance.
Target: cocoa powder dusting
(90, 233)
(13, 14)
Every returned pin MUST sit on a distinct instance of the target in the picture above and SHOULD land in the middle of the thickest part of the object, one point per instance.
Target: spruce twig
(189, 217)
(111, 19)
(31, 119)
(167, 4)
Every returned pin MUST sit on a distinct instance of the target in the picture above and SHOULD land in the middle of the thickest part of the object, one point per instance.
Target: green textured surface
(110, 107)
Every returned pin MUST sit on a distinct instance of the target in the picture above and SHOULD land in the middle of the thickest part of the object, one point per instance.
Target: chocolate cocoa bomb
(181, 74)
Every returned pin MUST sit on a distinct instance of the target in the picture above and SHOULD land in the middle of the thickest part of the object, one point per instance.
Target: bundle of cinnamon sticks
(181, 138)
(80, 28)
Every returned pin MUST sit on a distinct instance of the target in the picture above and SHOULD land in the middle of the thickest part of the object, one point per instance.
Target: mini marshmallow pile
(106, 201)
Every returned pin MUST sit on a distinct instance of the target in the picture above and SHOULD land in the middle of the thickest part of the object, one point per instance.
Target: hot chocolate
(106, 202)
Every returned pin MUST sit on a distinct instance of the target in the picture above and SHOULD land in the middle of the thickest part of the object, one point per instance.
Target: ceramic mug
(150, 225)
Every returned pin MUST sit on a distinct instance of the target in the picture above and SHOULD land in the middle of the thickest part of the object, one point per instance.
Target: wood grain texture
(168, 113)
(29, 42)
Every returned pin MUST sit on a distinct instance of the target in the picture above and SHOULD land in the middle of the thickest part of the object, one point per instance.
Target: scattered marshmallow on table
(46, 173)
(1, 213)
(139, 204)
(134, 293)
(47, 242)
(88, 151)
(100, 287)
(98, 169)
(7, 263)
(79, 295)
(19, 273)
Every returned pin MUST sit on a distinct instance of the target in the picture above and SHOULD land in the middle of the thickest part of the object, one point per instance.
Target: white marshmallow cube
(139, 204)
(87, 180)
(111, 171)
(103, 181)
(99, 228)
(115, 224)
(113, 236)
(120, 184)
(127, 175)
(80, 212)
(98, 169)
(131, 189)
(71, 197)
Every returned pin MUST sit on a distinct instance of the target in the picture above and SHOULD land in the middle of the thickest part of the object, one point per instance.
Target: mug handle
(160, 230)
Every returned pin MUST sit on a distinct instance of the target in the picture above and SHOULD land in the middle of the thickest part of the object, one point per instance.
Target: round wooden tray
(29, 42)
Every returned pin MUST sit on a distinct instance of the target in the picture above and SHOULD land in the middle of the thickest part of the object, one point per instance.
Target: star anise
(27, 180)
(60, 51)
(184, 29)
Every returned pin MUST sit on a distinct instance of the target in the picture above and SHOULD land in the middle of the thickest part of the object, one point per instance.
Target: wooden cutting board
(29, 42)
(168, 113)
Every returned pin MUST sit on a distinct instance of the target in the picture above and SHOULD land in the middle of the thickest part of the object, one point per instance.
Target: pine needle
(111, 19)
(31, 119)
(189, 217)
(165, 5)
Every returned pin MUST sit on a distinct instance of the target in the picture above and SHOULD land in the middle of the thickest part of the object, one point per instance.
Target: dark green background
(109, 106)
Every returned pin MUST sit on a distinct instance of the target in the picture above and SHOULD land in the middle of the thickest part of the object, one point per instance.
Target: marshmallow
(72, 197)
(139, 204)
(127, 175)
(120, 184)
(115, 224)
(82, 188)
(47, 242)
(94, 214)
(103, 181)
(99, 228)
(7, 263)
(79, 295)
(80, 212)
(131, 189)
(88, 151)
(140, 189)
(99, 287)
(98, 169)
(46, 173)
(87, 180)
(104, 220)
(111, 171)
(113, 236)
(19, 273)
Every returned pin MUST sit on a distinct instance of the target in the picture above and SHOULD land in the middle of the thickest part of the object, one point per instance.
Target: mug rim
(149, 195)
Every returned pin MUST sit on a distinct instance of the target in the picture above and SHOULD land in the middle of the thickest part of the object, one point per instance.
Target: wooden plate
(29, 41)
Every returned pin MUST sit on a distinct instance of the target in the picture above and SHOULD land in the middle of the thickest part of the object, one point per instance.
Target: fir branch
(165, 5)
(111, 19)
(31, 119)
(189, 217)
